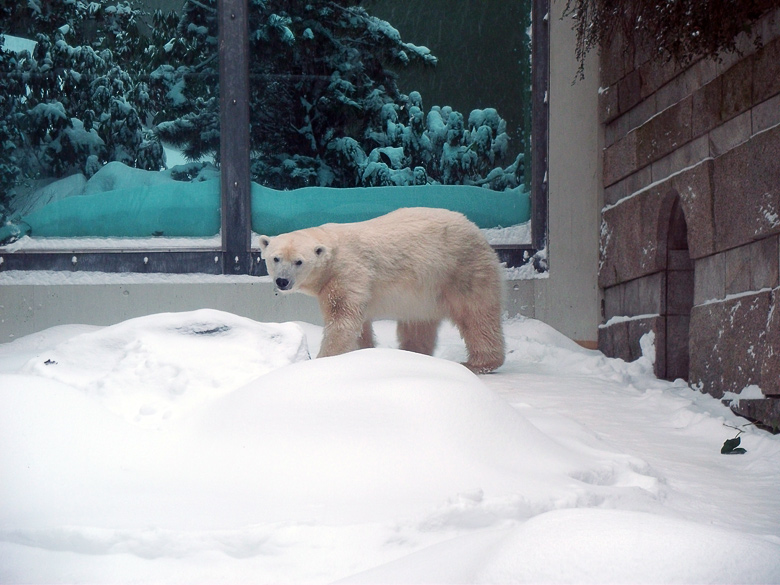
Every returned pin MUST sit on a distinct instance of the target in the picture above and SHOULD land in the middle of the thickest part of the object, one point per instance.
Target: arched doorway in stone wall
(678, 296)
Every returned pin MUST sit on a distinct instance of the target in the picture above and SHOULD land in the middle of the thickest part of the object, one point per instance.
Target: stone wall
(690, 231)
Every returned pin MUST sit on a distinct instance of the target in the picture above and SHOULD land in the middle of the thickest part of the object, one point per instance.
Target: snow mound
(382, 465)
(120, 201)
(632, 547)
(377, 435)
(364, 427)
(160, 367)
(115, 176)
(590, 546)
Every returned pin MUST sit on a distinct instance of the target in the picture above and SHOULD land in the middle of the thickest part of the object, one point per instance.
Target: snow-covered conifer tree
(73, 104)
(325, 106)
(184, 84)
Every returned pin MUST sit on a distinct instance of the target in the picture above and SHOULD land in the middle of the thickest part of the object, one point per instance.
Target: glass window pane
(360, 108)
(109, 126)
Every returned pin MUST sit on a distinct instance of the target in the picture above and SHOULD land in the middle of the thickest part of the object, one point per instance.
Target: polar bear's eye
(298, 262)
(277, 259)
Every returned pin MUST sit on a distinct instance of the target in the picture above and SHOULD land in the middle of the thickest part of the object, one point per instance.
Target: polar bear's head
(293, 260)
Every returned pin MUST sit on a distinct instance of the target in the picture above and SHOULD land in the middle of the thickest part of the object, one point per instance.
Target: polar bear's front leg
(344, 323)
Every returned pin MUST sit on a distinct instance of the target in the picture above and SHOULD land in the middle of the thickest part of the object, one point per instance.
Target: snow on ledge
(64, 278)
(750, 392)
(654, 184)
(626, 318)
(517, 235)
(514, 235)
(59, 277)
(28, 244)
(733, 296)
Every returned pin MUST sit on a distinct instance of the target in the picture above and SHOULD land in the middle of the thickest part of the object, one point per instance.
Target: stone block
(678, 260)
(746, 191)
(677, 351)
(643, 54)
(768, 28)
(673, 92)
(681, 158)
(620, 159)
(628, 186)
(616, 129)
(615, 61)
(766, 72)
(766, 114)
(615, 193)
(621, 340)
(727, 60)
(770, 365)
(694, 187)
(737, 89)
(613, 301)
(706, 104)
(610, 69)
(608, 104)
(638, 328)
(630, 238)
(656, 74)
(664, 133)
(709, 279)
(730, 134)
(679, 292)
(641, 296)
(752, 267)
(701, 72)
(764, 263)
(629, 91)
(727, 343)
(642, 112)
(737, 262)
(766, 411)
(613, 341)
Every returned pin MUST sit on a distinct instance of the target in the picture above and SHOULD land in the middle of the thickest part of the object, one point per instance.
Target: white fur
(415, 265)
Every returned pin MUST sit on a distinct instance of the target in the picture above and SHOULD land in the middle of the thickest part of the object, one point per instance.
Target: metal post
(234, 135)
(540, 72)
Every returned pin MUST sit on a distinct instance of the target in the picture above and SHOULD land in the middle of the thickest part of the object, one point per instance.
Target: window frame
(235, 256)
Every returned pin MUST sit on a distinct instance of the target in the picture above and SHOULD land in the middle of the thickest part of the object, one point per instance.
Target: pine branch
(203, 6)
(678, 30)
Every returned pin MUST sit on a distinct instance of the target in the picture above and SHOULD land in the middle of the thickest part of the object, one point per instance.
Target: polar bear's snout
(283, 283)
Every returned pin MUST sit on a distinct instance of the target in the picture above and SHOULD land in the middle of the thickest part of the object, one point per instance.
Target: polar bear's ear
(264, 241)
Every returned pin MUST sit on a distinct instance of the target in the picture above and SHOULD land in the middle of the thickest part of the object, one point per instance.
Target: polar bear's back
(411, 258)
(410, 226)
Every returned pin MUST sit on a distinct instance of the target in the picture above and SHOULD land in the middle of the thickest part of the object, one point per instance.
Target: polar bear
(417, 266)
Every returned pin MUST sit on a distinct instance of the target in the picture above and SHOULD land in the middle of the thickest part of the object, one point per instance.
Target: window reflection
(83, 96)
(110, 116)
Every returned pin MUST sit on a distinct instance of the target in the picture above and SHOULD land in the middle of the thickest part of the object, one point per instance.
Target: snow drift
(203, 446)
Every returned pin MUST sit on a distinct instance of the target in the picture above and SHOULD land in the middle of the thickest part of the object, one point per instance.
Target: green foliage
(186, 95)
(731, 447)
(325, 107)
(73, 105)
(679, 30)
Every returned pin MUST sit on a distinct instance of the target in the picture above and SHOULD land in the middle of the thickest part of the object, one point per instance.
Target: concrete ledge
(766, 412)
(621, 339)
(28, 308)
(641, 296)
(32, 307)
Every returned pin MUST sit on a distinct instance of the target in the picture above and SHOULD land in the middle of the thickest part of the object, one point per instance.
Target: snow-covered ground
(203, 447)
